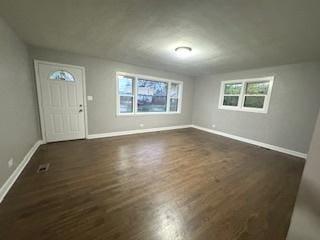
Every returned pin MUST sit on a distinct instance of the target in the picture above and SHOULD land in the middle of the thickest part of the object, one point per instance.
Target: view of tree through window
(232, 88)
(257, 88)
(152, 96)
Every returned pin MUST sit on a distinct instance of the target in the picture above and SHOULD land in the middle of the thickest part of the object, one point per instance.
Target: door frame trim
(38, 84)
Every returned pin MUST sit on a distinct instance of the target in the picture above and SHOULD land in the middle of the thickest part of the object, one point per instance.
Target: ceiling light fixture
(183, 52)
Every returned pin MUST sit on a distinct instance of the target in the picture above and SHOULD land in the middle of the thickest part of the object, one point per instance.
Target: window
(232, 93)
(147, 95)
(251, 95)
(174, 97)
(152, 96)
(61, 75)
(126, 94)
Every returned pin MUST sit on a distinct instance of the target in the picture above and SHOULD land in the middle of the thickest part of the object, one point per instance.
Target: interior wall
(101, 84)
(293, 108)
(305, 221)
(19, 128)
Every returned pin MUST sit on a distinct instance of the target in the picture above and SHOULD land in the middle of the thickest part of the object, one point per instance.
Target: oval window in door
(61, 75)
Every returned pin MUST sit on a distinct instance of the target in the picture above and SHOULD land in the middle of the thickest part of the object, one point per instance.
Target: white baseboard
(114, 134)
(13, 177)
(254, 142)
(242, 139)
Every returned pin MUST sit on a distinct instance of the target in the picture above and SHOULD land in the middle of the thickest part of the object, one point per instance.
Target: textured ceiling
(225, 35)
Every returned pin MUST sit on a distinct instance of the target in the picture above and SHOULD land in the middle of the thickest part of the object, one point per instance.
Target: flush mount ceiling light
(183, 52)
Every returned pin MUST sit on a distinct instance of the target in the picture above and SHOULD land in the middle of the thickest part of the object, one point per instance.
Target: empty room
(159, 120)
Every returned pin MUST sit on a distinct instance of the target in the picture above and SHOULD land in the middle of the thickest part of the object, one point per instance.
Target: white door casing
(62, 103)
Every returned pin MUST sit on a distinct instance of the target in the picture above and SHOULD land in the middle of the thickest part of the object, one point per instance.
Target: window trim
(242, 95)
(135, 93)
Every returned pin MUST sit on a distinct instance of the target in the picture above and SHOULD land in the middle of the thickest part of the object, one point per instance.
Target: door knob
(80, 110)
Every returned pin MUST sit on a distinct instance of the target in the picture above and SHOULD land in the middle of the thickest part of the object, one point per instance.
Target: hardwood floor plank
(182, 184)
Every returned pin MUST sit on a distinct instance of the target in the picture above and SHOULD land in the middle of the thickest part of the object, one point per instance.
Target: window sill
(252, 110)
(145, 114)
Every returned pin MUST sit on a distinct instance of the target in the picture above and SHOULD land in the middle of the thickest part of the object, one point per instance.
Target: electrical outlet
(141, 125)
(213, 126)
(10, 162)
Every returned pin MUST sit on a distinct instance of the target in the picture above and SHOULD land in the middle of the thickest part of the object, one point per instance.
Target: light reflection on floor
(169, 222)
(143, 156)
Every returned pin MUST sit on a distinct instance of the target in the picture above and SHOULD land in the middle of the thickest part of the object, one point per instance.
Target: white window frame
(135, 94)
(242, 95)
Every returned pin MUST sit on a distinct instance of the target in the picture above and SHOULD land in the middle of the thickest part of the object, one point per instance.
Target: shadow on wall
(305, 222)
(309, 197)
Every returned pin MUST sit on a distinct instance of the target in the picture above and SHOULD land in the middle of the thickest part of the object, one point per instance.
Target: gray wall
(101, 84)
(19, 129)
(292, 111)
(305, 222)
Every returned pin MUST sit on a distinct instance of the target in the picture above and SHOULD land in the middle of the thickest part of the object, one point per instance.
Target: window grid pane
(126, 104)
(232, 88)
(174, 91)
(174, 104)
(257, 88)
(125, 85)
(254, 101)
(152, 96)
(231, 101)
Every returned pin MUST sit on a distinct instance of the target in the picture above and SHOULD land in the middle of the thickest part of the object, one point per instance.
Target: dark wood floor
(182, 184)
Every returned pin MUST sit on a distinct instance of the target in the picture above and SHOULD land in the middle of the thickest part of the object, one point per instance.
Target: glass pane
(126, 104)
(61, 75)
(230, 100)
(232, 88)
(174, 92)
(152, 96)
(152, 103)
(257, 88)
(173, 105)
(254, 101)
(125, 85)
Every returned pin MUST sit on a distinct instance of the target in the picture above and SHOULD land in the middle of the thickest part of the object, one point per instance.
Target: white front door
(61, 101)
